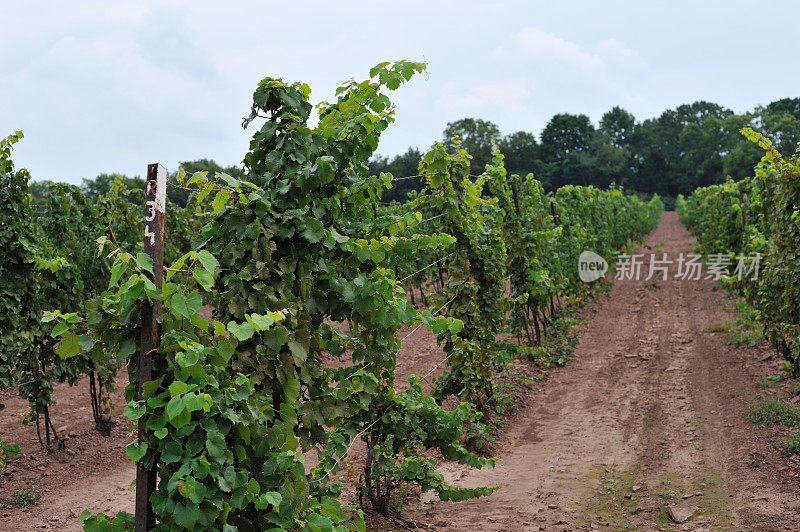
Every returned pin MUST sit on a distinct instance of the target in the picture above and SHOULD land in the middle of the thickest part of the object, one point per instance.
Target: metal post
(156, 195)
(741, 204)
(514, 194)
(525, 305)
(552, 305)
(553, 210)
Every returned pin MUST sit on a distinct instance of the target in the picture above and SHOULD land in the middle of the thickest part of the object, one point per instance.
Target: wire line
(425, 268)
(353, 441)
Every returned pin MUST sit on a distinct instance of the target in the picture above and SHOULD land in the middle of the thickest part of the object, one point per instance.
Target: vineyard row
(757, 217)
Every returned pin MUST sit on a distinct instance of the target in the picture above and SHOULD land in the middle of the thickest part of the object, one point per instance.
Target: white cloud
(485, 99)
(541, 45)
(548, 48)
(615, 52)
(533, 74)
(608, 71)
(509, 94)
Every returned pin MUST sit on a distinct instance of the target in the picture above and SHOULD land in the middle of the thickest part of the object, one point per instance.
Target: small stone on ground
(681, 512)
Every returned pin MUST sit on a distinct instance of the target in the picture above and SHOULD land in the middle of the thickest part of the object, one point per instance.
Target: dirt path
(651, 400)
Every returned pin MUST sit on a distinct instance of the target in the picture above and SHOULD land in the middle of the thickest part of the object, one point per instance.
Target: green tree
(565, 139)
(39, 191)
(740, 156)
(700, 112)
(702, 143)
(701, 147)
(780, 127)
(671, 159)
(565, 134)
(788, 106)
(611, 148)
(654, 154)
(618, 126)
(610, 163)
(521, 153)
(100, 185)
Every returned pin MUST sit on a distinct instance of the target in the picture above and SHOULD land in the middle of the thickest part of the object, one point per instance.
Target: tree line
(694, 145)
(94, 188)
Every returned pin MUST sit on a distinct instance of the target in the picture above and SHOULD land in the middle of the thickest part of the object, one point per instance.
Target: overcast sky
(112, 86)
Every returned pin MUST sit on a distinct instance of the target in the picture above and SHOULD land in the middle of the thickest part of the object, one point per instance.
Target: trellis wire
(401, 341)
(365, 429)
(425, 268)
(352, 442)
(434, 368)
(412, 176)
(421, 324)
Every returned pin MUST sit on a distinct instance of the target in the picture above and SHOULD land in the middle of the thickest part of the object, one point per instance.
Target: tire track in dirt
(651, 401)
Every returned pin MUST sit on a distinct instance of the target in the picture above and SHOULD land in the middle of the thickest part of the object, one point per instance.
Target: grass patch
(712, 496)
(743, 330)
(26, 497)
(765, 383)
(559, 340)
(652, 284)
(563, 337)
(613, 500)
(741, 337)
(773, 410)
(746, 330)
(790, 444)
(718, 326)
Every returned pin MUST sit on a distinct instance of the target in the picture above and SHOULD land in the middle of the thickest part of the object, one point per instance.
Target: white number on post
(151, 213)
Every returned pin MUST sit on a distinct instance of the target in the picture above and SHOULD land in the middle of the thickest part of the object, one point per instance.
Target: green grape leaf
(188, 305)
(203, 277)
(242, 332)
(135, 451)
(144, 261)
(134, 410)
(69, 345)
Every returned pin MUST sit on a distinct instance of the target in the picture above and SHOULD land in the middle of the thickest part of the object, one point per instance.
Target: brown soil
(94, 473)
(651, 400)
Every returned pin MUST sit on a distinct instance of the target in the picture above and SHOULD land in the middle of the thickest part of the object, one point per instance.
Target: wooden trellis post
(155, 202)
